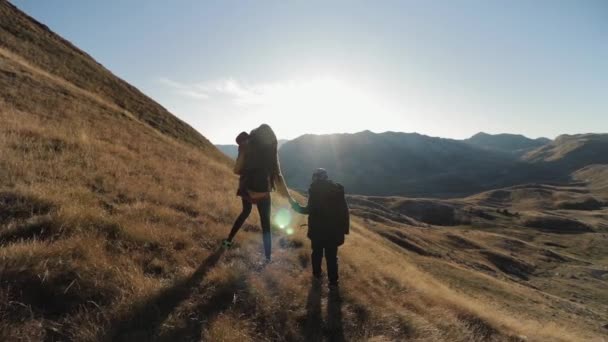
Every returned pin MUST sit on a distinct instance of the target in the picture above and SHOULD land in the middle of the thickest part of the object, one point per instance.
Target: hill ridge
(140, 105)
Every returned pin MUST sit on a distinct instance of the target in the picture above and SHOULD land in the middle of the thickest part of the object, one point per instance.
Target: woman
(258, 166)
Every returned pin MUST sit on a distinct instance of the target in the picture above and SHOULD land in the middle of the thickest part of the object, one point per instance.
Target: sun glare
(282, 218)
(319, 105)
(313, 104)
(321, 101)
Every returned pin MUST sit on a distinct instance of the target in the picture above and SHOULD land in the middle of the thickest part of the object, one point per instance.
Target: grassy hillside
(518, 247)
(53, 56)
(596, 177)
(111, 213)
(572, 152)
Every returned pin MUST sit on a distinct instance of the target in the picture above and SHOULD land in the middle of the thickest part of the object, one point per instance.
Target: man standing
(328, 222)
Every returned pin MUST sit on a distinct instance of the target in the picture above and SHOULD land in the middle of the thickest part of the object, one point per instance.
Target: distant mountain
(516, 144)
(405, 164)
(232, 151)
(572, 152)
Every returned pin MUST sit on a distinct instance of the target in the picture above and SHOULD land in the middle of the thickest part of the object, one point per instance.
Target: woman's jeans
(264, 211)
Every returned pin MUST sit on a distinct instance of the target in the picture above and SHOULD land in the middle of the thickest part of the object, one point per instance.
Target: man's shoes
(227, 244)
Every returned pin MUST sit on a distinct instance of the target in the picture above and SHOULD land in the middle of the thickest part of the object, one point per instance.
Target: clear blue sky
(442, 68)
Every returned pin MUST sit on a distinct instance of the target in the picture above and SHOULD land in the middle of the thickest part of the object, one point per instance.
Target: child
(328, 222)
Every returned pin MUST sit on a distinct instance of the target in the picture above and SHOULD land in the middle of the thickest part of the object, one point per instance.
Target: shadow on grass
(335, 329)
(314, 329)
(143, 322)
(40, 229)
(206, 310)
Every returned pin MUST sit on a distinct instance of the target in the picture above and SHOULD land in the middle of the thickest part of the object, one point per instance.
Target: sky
(441, 68)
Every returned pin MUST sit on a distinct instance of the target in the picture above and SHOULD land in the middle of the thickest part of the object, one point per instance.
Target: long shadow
(142, 323)
(335, 328)
(206, 311)
(313, 327)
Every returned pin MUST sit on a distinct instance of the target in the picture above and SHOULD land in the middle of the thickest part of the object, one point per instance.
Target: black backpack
(337, 208)
(341, 210)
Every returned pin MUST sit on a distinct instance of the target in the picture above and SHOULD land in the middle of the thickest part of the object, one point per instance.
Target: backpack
(261, 148)
(332, 222)
(339, 208)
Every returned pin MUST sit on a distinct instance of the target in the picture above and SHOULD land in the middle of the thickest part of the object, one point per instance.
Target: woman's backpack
(262, 150)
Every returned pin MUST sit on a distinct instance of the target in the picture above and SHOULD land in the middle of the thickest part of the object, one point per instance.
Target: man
(328, 222)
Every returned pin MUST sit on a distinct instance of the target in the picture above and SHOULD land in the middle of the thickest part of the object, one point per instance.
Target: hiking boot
(317, 279)
(227, 244)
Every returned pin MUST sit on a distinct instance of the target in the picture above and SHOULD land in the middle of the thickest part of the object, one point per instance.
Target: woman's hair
(263, 153)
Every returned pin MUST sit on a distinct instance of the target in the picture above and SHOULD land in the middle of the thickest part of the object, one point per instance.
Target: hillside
(596, 178)
(572, 152)
(407, 164)
(112, 211)
(515, 144)
(515, 245)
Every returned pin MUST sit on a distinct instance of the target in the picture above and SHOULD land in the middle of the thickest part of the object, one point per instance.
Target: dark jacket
(322, 226)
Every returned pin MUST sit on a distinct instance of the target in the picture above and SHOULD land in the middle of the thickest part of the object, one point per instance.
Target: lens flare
(289, 231)
(282, 218)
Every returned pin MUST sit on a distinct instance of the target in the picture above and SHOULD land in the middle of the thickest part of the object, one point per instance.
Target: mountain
(572, 152)
(595, 176)
(112, 211)
(405, 164)
(516, 144)
(411, 164)
(232, 151)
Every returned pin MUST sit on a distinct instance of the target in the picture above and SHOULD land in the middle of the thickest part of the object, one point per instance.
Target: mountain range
(516, 144)
(411, 164)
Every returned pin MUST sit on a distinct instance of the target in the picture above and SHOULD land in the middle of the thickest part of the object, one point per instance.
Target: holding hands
(294, 204)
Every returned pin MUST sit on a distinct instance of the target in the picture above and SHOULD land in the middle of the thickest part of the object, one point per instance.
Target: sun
(315, 105)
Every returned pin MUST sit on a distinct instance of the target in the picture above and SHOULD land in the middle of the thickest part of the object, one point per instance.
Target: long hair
(263, 153)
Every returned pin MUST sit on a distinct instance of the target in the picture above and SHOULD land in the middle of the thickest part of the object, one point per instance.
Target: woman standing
(258, 166)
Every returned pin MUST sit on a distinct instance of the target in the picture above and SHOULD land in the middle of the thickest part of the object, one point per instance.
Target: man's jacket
(327, 212)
